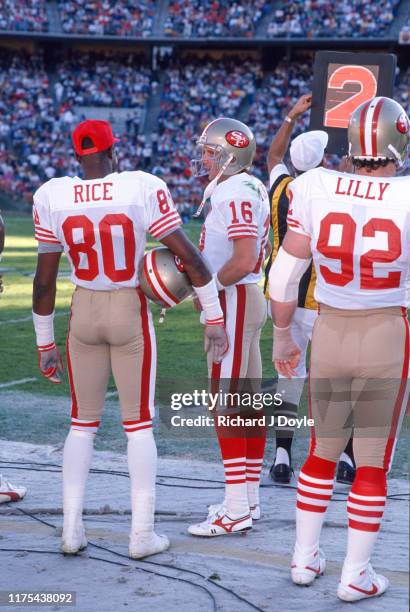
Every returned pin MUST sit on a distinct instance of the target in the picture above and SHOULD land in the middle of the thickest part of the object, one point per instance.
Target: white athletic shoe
(73, 539)
(255, 510)
(9, 492)
(305, 569)
(355, 585)
(145, 544)
(219, 523)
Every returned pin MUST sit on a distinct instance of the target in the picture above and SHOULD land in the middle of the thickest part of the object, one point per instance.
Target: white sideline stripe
(23, 381)
(14, 383)
(30, 318)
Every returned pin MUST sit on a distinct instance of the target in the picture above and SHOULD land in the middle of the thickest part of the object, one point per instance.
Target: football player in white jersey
(100, 222)
(357, 228)
(233, 241)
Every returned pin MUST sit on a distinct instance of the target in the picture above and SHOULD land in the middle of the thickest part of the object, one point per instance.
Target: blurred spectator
(109, 17)
(404, 36)
(204, 18)
(23, 15)
(104, 79)
(195, 92)
(279, 92)
(33, 136)
(346, 18)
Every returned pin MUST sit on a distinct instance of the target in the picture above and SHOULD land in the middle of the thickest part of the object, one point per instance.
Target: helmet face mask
(225, 147)
(208, 159)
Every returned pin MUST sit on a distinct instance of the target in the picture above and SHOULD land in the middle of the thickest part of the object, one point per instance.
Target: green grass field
(179, 338)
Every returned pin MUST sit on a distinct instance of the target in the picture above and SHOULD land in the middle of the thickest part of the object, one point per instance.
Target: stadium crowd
(104, 79)
(312, 18)
(109, 17)
(23, 15)
(37, 114)
(205, 18)
(195, 91)
(33, 133)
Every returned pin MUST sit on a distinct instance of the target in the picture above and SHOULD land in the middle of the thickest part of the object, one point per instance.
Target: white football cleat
(9, 492)
(255, 510)
(145, 544)
(220, 523)
(305, 568)
(73, 539)
(355, 585)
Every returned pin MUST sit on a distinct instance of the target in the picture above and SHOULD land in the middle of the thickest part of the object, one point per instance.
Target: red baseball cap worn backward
(98, 131)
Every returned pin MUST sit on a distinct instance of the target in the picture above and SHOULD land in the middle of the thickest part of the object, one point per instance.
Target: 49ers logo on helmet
(402, 124)
(237, 139)
(179, 264)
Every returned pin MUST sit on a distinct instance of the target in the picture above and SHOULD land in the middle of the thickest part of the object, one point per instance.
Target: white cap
(307, 150)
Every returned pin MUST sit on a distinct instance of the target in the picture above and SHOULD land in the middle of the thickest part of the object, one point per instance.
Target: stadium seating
(207, 18)
(110, 17)
(23, 15)
(104, 79)
(346, 18)
(33, 133)
(37, 112)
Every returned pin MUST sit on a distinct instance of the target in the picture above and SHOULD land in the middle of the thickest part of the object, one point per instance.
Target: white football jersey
(101, 224)
(360, 236)
(239, 209)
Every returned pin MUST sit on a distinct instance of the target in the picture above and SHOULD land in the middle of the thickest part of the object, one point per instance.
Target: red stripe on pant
(312, 443)
(216, 367)
(400, 396)
(239, 325)
(145, 414)
(231, 445)
(74, 403)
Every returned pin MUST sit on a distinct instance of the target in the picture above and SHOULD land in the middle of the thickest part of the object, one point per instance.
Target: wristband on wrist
(289, 119)
(208, 297)
(44, 329)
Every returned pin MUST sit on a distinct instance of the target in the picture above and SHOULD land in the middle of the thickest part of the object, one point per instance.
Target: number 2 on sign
(339, 115)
